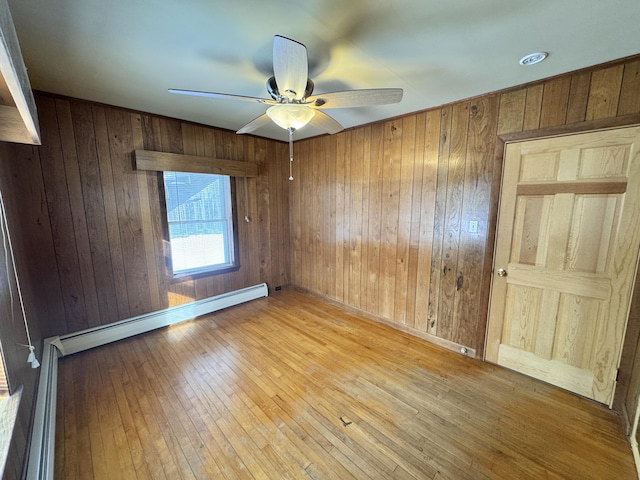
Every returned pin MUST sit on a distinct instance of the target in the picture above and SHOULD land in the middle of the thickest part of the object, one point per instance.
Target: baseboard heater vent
(94, 337)
(43, 433)
(42, 448)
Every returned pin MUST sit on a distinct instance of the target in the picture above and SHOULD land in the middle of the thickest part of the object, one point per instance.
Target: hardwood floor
(291, 387)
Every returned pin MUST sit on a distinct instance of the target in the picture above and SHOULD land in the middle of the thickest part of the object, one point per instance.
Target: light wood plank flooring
(291, 387)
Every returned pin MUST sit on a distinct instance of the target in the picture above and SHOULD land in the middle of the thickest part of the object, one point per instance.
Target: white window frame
(225, 216)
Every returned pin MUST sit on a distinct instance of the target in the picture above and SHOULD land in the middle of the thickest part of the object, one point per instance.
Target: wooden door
(567, 246)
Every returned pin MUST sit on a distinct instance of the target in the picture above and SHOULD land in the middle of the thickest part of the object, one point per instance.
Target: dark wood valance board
(175, 162)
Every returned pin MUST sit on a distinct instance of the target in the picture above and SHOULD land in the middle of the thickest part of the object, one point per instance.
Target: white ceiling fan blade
(356, 98)
(255, 124)
(290, 66)
(325, 122)
(224, 96)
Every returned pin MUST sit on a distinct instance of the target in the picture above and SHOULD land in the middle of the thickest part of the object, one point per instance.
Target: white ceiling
(129, 52)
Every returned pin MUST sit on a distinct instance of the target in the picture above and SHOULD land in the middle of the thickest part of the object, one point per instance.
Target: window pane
(196, 196)
(199, 218)
(192, 249)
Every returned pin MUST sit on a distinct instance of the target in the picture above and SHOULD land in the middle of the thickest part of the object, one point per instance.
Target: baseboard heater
(42, 449)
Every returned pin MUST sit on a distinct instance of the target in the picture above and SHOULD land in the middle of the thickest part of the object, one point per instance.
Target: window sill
(189, 276)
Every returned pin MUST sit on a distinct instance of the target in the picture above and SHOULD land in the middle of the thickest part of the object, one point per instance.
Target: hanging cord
(246, 202)
(6, 238)
(291, 152)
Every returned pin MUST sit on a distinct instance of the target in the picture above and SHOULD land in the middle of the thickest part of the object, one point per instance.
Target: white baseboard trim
(42, 448)
(95, 337)
(43, 433)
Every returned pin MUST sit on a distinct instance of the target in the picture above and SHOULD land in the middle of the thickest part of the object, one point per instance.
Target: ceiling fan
(292, 104)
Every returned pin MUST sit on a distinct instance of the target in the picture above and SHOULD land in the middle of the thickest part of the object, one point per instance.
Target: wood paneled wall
(87, 226)
(105, 246)
(380, 215)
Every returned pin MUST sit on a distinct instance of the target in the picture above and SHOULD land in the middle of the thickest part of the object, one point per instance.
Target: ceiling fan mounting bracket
(289, 96)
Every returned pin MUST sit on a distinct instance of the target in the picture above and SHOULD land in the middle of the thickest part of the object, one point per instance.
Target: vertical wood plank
(442, 173)
(427, 246)
(346, 222)
(375, 219)
(340, 162)
(145, 217)
(331, 213)
(274, 231)
(355, 217)
(316, 221)
(533, 106)
(407, 160)
(366, 183)
(555, 98)
(283, 201)
(578, 97)
(415, 221)
(248, 250)
(295, 218)
(511, 113)
(605, 92)
(264, 216)
(451, 277)
(306, 219)
(343, 166)
(328, 215)
(629, 96)
(392, 165)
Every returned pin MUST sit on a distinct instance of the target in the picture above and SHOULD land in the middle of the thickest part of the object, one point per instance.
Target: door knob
(502, 272)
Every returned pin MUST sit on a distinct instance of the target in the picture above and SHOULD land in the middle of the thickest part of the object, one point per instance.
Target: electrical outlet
(473, 226)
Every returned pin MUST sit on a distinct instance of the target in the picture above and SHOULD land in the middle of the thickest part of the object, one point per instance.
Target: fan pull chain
(290, 153)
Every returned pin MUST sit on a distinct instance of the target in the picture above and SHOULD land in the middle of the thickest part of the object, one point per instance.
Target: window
(200, 223)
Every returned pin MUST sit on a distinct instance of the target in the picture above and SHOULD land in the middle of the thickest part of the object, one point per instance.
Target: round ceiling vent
(533, 58)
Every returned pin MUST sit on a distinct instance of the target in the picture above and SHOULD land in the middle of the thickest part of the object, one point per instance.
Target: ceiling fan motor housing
(292, 104)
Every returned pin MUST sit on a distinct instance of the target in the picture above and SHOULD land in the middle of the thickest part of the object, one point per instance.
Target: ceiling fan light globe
(290, 115)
